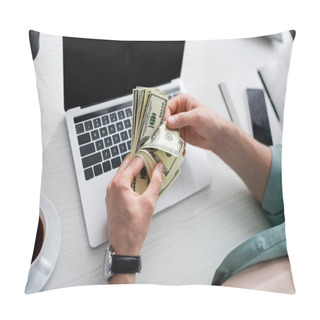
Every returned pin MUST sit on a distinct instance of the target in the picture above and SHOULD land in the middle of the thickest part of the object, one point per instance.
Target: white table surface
(188, 241)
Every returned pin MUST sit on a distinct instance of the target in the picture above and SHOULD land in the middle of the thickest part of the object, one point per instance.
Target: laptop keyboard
(104, 137)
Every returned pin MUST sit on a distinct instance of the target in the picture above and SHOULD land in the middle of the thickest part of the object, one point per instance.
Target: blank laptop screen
(100, 70)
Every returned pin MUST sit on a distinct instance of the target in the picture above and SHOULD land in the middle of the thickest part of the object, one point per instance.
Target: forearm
(123, 278)
(250, 159)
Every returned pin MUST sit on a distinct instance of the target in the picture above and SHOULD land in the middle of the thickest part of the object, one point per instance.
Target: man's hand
(198, 124)
(202, 127)
(129, 214)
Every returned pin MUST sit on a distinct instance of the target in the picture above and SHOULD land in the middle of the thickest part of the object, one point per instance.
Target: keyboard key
(129, 112)
(97, 122)
(119, 126)
(116, 162)
(111, 129)
(87, 149)
(103, 132)
(95, 135)
(99, 145)
(84, 138)
(106, 166)
(107, 142)
(79, 128)
(116, 138)
(127, 123)
(114, 151)
(88, 125)
(91, 160)
(129, 133)
(121, 115)
(124, 136)
(113, 117)
(106, 154)
(105, 120)
(129, 145)
(88, 174)
(122, 147)
(97, 170)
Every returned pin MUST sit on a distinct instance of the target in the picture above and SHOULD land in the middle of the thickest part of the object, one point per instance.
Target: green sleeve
(272, 202)
(268, 244)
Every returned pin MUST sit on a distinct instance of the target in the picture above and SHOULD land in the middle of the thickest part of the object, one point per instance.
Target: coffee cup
(46, 246)
(38, 259)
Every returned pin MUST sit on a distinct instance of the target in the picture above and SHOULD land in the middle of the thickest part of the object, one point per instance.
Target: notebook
(99, 76)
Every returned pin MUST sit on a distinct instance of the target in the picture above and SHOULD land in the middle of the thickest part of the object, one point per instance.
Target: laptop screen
(99, 70)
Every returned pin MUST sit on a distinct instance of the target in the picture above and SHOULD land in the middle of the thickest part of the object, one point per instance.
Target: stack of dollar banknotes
(152, 140)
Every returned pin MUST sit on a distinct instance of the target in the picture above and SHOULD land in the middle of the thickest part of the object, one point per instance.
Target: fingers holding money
(152, 141)
(132, 168)
(124, 163)
(154, 186)
(185, 111)
(177, 104)
(184, 119)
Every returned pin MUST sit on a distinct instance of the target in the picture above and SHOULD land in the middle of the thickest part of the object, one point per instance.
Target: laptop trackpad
(196, 172)
(195, 175)
(173, 195)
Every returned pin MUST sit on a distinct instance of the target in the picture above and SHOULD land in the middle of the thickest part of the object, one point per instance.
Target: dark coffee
(39, 240)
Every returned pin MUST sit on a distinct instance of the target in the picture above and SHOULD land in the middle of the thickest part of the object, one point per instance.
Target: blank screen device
(259, 116)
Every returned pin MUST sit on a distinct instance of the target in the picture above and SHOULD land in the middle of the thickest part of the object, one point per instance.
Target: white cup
(40, 267)
(40, 262)
(44, 263)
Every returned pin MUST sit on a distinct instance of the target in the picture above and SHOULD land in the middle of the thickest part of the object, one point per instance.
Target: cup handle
(43, 266)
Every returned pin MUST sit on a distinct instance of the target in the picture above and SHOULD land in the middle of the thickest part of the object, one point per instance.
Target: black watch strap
(125, 264)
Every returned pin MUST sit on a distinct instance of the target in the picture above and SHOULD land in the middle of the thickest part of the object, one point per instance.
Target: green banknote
(152, 140)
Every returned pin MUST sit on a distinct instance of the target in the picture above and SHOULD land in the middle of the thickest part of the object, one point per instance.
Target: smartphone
(259, 116)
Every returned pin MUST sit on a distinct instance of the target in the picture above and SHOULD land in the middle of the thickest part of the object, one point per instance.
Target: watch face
(107, 265)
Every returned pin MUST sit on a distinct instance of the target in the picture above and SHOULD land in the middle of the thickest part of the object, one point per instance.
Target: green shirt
(266, 245)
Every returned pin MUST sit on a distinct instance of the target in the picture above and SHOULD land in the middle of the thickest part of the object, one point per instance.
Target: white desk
(187, 242)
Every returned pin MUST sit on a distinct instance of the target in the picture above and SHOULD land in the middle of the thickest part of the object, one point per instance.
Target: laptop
(99, 76)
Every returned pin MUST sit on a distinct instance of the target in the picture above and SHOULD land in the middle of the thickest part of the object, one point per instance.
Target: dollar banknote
(152, 140)
(149, 106)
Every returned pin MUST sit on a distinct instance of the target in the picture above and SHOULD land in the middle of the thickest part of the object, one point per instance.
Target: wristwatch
(114, 263)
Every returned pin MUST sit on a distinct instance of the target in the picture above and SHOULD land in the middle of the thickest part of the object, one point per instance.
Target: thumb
(180, 120)
(155, 182)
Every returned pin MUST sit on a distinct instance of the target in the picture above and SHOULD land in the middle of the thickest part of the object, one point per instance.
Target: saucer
(43, 266)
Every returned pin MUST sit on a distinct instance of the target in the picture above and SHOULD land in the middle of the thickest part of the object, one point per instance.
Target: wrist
(122, 267)
(224, 130)
(125, 249)
(123, 278)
